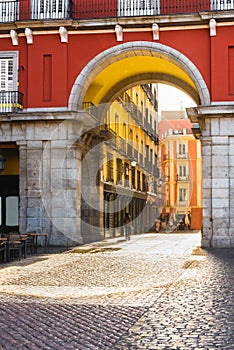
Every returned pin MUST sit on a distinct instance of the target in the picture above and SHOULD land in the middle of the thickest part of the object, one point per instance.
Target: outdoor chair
(14, 246)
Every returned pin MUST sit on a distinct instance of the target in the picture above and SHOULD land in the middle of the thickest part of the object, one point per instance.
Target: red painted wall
(211, 55)
(52, 46)
(221, 78)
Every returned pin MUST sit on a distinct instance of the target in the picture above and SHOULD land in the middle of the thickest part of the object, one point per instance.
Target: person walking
(127, 226)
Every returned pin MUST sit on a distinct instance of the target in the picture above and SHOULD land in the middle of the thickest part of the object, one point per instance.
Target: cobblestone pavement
(158, 291)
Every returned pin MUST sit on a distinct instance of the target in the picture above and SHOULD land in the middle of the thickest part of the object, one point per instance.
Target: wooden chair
(14, 246)
(29, 242)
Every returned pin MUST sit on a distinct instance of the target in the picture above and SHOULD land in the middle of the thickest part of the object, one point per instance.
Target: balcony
(21, 10)
(9, 11)
(182, 155)
(11, 101)
(90, 108)
(182, 178)
(136, 8)
(57, 9)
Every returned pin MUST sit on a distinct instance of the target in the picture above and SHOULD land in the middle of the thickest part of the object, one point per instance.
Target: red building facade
(57, 57)
(181, 167)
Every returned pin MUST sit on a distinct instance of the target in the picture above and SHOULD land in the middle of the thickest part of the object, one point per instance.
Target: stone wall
(50, 176)
(217, 126)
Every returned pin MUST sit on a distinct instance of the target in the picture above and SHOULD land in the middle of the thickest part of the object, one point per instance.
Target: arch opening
(136, 189)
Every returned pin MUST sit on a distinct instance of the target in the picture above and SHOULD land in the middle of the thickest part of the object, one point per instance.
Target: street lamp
(133, 163)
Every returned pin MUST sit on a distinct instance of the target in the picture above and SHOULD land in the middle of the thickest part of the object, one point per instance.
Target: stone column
(207, 226)
(30, 213)
(50, 175)
(220, 192)
(216, 184)
(61, 192)
(23, 195)
(231, 189)
(217, 127)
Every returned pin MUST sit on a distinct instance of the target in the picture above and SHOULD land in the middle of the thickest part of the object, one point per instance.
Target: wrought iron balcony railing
(182, 155)
(9, 11)
(90, 108)
(18, 10)
(56, 9)
(11, 101)
(126, 8)
(21, 10)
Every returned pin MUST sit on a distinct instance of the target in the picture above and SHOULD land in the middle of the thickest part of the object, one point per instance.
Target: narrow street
(157, 291)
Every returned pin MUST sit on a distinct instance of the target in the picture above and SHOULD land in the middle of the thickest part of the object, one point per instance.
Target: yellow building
(130, 164)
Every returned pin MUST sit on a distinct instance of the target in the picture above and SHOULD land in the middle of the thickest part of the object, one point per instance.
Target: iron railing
(18, 10)
(11, 101)
(44, 10)
(132, 8)
(182, 155)
(9, 11)
(90, 108)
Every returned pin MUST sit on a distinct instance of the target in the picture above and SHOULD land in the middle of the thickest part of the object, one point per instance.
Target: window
(182, 194)
(8, 81)
(117, 124)
(110, 168)
(8, 70)
(12, 208)
(119, 170)
(182, 171)
(182, 149)
(6, 74)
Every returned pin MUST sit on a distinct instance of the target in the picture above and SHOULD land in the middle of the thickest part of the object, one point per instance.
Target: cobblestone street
(157, 291)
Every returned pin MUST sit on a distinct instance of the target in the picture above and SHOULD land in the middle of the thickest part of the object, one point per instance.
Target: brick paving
(154, 292)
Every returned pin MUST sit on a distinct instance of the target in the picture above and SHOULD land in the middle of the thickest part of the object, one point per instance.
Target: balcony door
(49, 9)
(138, 7)
(6, 74)
(8, 83)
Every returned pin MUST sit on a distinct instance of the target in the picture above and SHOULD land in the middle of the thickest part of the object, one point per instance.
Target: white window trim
(14, 55)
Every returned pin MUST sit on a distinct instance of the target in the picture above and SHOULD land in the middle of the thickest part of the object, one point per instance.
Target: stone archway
(216, 124)
(135, 49)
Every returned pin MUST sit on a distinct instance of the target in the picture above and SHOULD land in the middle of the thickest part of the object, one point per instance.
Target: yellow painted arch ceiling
(110, 78)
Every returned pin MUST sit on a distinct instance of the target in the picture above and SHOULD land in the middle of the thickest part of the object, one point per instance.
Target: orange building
(181, 170)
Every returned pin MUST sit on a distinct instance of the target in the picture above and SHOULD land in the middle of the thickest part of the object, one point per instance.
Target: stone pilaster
(217, 126)
(23, 195)
(220, 192)
(61, 192)
(207, 226)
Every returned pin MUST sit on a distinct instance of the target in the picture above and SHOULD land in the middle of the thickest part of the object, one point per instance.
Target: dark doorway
(9, 203)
